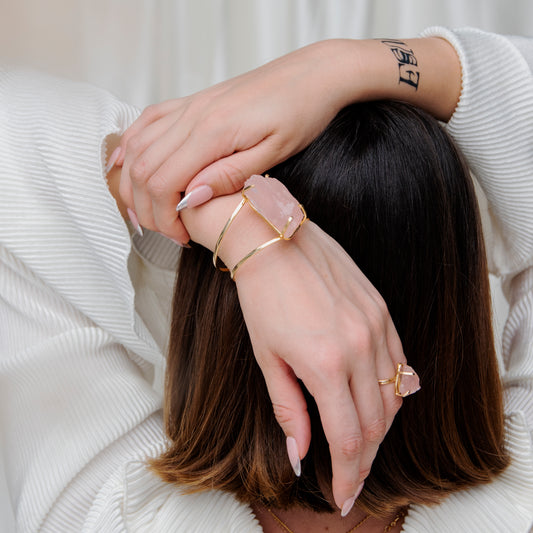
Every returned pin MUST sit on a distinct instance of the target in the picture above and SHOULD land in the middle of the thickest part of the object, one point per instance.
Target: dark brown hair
(388, 184)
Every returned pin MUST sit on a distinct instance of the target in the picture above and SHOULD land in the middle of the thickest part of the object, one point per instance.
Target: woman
(85, 323)
(211, 142)
(85, 368)
(406, 212)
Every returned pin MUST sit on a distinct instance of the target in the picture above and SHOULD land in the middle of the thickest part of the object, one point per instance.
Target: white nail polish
(181, 244)
(294, 458)
(135, 222)
(112, 159)
(348, 504)
(196, 197)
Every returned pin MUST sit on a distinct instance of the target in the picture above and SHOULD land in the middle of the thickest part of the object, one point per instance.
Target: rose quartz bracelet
(273, 202)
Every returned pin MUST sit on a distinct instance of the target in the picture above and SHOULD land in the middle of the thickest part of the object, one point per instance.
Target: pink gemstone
(273, 201)
(408, 384)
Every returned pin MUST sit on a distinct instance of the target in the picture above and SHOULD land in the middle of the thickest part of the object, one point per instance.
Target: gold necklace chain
(388, 527)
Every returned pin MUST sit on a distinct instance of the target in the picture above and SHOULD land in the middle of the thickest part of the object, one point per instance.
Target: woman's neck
(300, 520)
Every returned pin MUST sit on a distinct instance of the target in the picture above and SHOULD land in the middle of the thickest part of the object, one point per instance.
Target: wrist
(266, 214)
(425, 72)
(247, 231)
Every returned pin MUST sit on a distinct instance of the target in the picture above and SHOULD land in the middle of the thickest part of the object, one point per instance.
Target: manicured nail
(135, 222)
(294, 458)
(181, 244)
(348, 504)
(196, 197)
(112, 159)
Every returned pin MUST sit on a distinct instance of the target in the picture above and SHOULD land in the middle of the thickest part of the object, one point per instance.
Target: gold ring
(403, 386)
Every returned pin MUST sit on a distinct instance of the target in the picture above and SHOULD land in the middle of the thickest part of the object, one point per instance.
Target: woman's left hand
(313, 315)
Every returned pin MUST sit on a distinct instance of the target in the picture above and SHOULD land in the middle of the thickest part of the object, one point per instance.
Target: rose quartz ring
(273, 202)
(405, 381)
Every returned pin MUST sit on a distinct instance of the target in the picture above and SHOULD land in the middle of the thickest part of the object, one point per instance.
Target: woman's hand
(325, 323)
(312, 315)
(223, 134)
(246, 125)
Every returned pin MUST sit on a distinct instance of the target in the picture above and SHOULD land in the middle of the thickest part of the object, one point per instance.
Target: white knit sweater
(79, 402)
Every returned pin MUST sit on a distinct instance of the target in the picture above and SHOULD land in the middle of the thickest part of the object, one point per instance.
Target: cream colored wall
(149, 50)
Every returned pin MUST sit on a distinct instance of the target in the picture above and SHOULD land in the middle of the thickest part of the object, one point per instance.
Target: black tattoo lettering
(407, 63)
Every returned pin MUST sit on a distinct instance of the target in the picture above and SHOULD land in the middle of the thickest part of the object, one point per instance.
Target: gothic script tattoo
(407, 62)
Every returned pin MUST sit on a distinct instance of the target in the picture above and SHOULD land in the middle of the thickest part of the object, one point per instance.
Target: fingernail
(294, 458)
(348, 504)
(112, 160)
(196, 197)
(135, 222)
(181, 244)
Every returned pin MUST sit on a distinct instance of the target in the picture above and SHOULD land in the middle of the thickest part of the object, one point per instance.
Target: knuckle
(138, 172)
(363, 340)
(157, 188)
(150, 113)
(331, 364)
(284, 414)
(375, 431)
(350, 446)
(277, 143)
(135, 144)
(233, 177)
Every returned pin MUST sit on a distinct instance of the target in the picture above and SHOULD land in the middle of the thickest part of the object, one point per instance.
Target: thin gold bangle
(281, 233)
(249, 254)
(223, 232)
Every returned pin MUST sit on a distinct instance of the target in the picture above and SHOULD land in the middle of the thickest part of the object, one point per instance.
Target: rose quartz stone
(408, 384)
(272, 200)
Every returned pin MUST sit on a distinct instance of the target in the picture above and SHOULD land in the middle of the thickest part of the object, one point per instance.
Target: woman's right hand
(246, 125)
(220, 136)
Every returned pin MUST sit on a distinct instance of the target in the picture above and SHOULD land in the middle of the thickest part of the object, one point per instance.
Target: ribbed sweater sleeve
(493, 126)
(78, 412)
(69, 385)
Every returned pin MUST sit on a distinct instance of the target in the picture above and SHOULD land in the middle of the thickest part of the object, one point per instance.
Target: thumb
(227, 175)
(290, 410)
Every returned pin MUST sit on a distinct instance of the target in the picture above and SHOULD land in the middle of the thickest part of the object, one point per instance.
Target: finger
(370, 399)
(341, 427)
(140, 163)
(290, 409)
(391, 402)
(165, 183)
(134, 148)
(227, 175)
(150, 114)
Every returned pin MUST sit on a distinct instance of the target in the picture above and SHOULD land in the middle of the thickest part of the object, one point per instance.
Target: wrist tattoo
(407, 63)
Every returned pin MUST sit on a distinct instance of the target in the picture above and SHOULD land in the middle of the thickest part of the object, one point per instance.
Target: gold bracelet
(223, 232)
(249, 254)
(283, 223)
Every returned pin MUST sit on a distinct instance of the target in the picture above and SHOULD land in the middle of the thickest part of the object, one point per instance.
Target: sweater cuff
(493, 126)
(81, 502)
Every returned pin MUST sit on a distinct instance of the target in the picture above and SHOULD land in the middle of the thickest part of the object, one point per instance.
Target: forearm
(425, 72)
